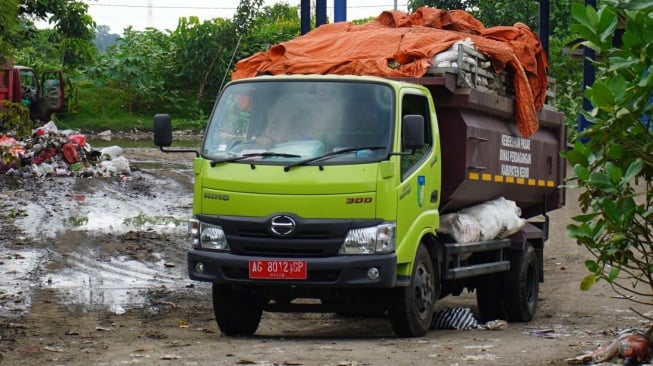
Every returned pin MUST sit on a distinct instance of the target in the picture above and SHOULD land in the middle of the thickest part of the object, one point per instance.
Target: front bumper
(333, 271)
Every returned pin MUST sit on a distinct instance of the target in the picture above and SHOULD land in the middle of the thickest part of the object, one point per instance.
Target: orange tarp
(411, 41)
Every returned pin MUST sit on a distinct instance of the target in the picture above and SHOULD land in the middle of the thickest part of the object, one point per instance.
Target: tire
(489, 296)
(412, 313)
(522, 285)
(237, 312)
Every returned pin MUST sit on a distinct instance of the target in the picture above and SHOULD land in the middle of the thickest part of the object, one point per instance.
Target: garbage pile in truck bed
(52, 152)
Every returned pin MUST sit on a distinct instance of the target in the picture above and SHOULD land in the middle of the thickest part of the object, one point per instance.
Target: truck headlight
(207, 235)
(370, 240)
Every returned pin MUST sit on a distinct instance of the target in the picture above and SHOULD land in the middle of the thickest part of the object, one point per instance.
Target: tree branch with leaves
(613, 159)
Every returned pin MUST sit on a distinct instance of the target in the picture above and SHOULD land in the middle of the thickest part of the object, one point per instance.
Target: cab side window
(416, 104)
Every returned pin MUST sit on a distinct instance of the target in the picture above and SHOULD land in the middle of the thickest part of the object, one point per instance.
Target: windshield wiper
(331, 154)
(261, 155)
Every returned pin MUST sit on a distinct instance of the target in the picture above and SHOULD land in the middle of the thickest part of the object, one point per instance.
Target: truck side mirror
(163, 134)
(162, 130)
(412, 132)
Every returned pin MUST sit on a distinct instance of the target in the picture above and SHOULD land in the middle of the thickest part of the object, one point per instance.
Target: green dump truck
(340, 211)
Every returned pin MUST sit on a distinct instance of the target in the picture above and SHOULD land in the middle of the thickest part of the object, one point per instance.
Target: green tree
(103, 38)
(8, 25)
(138, 65)
(201, 51)
(614, 166)
(443, 4)
(493, 13)
(74, 28)
(274, 25)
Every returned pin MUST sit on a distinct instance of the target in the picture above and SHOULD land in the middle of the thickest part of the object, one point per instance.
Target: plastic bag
(111, 152)
(117, 166)
(498, 218)
(462, 228)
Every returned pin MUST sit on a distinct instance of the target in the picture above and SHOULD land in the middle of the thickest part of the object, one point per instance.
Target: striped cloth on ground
(454, 318)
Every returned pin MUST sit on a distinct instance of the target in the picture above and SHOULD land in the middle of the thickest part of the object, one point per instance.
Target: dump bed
(483, 153)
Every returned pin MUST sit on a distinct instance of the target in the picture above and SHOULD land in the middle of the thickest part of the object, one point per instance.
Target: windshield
(287, 121)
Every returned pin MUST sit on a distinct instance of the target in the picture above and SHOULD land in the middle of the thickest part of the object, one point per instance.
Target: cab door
(52, 91)
(419, 189)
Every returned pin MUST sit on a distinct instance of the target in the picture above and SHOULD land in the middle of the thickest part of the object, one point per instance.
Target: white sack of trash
(489, 220)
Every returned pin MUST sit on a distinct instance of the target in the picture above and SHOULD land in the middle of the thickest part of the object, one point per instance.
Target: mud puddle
(97, 243)
(140, 202)
(17, 272)
(115, 284)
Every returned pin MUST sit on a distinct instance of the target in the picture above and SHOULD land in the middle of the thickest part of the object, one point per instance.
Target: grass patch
(93, 108)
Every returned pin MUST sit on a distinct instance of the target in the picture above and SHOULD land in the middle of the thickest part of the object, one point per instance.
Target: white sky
(164, 14)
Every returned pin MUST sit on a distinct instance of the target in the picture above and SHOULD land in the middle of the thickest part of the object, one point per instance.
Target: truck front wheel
(413, 308)
(237, 312)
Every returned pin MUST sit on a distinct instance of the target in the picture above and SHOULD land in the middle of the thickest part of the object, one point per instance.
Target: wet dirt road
(93, 273)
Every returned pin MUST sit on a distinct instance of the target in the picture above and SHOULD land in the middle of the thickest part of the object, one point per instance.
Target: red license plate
(262, 269)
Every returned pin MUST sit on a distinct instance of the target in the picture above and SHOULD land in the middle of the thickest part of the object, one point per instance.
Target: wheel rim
(423, 291)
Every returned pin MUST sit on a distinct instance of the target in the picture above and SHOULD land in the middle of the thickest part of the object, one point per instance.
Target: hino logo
(282, 225)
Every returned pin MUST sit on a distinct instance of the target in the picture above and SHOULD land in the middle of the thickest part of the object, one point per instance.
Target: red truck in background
(43, 96)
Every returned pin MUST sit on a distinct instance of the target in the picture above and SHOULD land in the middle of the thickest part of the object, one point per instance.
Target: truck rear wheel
(237, 312)
(413, 308)
(511, 295)
(522, 285)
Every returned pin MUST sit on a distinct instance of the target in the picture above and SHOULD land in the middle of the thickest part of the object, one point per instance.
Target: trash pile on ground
(52, 152)
(630, 347)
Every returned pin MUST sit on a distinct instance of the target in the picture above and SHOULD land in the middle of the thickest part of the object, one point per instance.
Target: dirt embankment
(93, 273)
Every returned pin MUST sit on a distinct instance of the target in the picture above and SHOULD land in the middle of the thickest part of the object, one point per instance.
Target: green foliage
(8, 25)
(103, 39)
(200, 51)
(139, 65)
(443, 4)
(14, 117)
(494, 13)
(567, 73)
(614, 166)
(246, 12)
(275, 25)
(73, 29)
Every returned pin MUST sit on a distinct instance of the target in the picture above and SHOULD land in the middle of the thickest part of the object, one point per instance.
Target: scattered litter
(170, 357)
(244, 361)
(624, 297)
(496, 325)
(483, 357)
(117, 309)
(631, 347)
(53, 152)
(53, 349)
(547, 333)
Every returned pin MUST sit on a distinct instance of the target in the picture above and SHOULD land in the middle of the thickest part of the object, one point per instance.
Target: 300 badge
(354, 200)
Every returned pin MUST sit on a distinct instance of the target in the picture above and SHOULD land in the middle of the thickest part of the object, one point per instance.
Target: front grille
(310, 237)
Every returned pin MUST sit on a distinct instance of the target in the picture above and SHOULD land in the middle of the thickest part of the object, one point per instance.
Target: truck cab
(42, 96)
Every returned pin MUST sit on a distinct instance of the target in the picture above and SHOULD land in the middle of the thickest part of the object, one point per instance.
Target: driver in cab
(278, 130)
